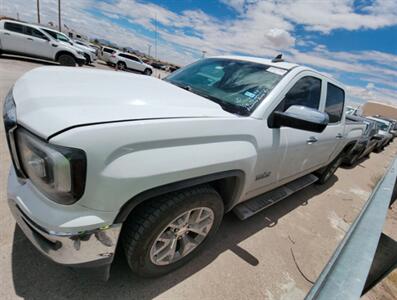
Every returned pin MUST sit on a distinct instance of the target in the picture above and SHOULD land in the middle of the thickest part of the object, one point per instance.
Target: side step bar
(258, 203)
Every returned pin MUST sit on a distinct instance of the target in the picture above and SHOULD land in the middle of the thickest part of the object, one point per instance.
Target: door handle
(6, 33)
(30, 39)
(339, 136)
(311, 140)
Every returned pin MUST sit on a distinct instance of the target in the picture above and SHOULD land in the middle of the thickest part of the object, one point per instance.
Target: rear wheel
(87, 59)
(121, 66)
(167, 232)
(67, 60)
(325, 174)
(147, 72)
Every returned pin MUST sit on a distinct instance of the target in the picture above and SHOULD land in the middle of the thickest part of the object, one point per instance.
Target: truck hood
(51, 99)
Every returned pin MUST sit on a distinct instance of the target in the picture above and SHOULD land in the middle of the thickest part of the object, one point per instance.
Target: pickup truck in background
(384, 130)
(366, 143)
(102, 157)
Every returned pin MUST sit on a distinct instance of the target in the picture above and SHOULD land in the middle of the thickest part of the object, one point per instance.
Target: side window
(122, 55)
(107, 50)
(34, 32)
(334, 103)
(306, 92)
(133, 58)
(15, 27)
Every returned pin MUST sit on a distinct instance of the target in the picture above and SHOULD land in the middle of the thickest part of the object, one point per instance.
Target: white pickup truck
(103, 157)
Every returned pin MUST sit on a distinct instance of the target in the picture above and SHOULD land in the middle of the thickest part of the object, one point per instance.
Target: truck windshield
(237, 86)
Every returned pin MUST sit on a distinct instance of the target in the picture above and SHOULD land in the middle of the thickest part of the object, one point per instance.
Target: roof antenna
(278, 58)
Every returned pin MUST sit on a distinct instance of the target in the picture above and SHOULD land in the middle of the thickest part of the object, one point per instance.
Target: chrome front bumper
(94, 247)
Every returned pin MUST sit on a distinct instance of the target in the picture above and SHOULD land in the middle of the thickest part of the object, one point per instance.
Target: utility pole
(38, 11)
(204, 52)
(59, 15)
(155, 37)
(149, 47)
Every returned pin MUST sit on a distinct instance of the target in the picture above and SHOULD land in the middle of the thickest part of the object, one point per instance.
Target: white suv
(88, 52)
(125, 61)
(26, 39)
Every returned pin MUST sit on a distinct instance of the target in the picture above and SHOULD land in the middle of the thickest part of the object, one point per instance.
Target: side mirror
(301, 117)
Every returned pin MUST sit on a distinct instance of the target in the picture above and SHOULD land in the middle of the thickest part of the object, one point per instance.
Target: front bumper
(94, 247)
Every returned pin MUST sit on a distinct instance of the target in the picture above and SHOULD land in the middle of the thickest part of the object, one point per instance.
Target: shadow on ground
(28, 59)
(37, 278)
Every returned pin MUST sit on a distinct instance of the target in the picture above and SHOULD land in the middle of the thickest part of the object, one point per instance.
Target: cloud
(262, 28)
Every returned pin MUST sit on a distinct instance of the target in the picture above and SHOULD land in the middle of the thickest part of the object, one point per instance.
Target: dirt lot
(248, 260)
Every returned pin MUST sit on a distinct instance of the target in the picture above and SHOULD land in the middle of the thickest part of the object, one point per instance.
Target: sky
(352, 41)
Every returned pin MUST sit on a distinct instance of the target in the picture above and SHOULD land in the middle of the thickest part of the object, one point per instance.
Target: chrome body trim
(69, 248)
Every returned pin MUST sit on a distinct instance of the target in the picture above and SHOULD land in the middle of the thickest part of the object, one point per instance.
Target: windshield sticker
(277, 71)
(249, 94)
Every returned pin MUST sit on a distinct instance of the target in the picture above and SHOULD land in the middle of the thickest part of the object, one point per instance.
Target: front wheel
(166, 232)
(121, 66)
(67, 60)
(147, 72)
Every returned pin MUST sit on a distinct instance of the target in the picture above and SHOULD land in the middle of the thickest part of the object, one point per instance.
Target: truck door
(299, 146)
(329, 142)
(13, 37)
(37, 42)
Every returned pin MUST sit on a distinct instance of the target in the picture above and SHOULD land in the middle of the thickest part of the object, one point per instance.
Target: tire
(87, 59)
(325, 174)
(121, 66)
(352, 160)
(148, 72)
(144, 227)
(67, 60)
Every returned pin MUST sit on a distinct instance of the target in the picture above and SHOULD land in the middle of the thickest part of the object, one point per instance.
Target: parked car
(29, 40)
(383, 130)
(88, 52)
(155, 164)
(106, 53)
(159, 66)
(393, 128)
(367, 142)
(126, 61)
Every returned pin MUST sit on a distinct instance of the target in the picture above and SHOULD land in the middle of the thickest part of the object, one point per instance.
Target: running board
(254, 205)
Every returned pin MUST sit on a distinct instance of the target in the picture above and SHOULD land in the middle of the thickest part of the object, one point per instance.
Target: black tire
(142, 227)
(87, 59)
(148, 72)
(67, 60)
(121, 66)
(325, 174)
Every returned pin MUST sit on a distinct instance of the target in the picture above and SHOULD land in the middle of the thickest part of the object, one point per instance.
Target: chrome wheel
(182, 236)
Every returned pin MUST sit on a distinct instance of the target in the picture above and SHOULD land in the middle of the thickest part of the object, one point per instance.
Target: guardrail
(345, 275)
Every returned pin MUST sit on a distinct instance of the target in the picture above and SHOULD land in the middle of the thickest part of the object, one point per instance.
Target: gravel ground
(263, 257)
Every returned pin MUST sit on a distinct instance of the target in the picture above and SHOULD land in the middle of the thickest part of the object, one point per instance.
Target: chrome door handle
(339, 136)
(311, 140)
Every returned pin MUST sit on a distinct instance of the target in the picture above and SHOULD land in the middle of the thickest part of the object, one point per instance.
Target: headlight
(59, 172)
(9, 112)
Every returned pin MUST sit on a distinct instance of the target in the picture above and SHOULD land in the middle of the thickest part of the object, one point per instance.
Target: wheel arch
(61, 52)
(229, 185)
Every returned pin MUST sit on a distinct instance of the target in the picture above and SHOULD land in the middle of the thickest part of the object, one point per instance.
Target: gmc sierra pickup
(102, 157)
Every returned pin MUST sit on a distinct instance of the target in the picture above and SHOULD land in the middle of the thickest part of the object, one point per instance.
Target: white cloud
(262, 28)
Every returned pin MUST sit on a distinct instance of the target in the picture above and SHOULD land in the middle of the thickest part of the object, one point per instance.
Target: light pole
(38, 11)
(149, 47)
(204, 52)
(59, 15)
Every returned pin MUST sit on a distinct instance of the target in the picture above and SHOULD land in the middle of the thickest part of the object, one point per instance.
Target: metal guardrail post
(345, 274)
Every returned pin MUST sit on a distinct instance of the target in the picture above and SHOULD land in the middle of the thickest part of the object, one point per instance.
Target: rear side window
(306, 92)
(107, 50)
(34, 32)
(334, 103)
(13, 27)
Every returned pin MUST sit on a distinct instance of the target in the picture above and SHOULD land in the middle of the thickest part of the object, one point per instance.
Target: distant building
(378, 108)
